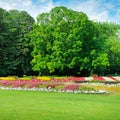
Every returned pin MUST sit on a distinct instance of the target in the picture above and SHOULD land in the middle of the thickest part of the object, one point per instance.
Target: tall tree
(3, 38)
(15, 53)
(110, 33)
(66, 42)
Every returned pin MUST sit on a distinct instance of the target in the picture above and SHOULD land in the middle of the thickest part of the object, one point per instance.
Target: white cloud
(94, 9)
(27, 5)
(40, 8)
(15, 4)
(42, 1)
(98, 10)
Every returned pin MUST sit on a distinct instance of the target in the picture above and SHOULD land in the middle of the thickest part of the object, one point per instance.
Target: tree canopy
(60, 42)
(67, 42)
(14, 25)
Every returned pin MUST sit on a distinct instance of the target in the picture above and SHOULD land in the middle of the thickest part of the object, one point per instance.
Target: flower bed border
(53, 90)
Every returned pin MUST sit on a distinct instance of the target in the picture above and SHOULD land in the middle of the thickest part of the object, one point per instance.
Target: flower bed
(72, 87)
(99, 78)
(38, 85)
(68, 84)
(113, 78)
(7, 78)
(66, 79)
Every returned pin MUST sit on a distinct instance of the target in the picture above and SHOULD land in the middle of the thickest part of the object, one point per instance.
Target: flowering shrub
(86, 88)
(70, 84)
(25, 78)
(21, 83)
(71, 87)
(53, 85)
(113, 78)
(43, 78)
(7, 78)
(76, 79)
(6, 83)
(98, 78)
(66, 79)
(109, 88)
(69, 79)
(18, 84)
(33, 83)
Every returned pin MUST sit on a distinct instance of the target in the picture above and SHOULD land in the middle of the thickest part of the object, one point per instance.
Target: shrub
(53, 85)
(71, 87)
(86, 88)
(7, 78)
(43, 78)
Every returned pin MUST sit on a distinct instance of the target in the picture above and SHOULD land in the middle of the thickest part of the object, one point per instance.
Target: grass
(26, 77)
(41, 77)
(34, 105)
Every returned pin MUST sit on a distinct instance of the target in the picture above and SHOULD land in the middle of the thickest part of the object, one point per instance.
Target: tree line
(60, 42)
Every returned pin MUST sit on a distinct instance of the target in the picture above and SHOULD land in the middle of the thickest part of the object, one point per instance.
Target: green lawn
(34, 105)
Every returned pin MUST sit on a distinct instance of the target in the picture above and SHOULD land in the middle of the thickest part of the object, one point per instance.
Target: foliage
(86, 88)
(7, 78)
(62, 85)
(66, 42)
(43, 78)
(72, 87)
(111, 46)
(14, 50)
(60, 42)
(110, 88)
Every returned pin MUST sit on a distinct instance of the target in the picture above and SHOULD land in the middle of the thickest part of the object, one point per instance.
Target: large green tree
(110, 33)
(67, 42)
(3, 38)
(15, 57)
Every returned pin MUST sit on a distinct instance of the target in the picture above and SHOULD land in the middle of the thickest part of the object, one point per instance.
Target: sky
(97, 10)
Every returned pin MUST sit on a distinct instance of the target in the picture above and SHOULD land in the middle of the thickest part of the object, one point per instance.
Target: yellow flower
(7, 78)
(43, 78)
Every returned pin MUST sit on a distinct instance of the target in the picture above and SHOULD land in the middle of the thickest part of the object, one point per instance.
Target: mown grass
(34, 105)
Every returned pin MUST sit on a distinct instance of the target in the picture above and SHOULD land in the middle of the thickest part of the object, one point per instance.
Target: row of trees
(61, 42)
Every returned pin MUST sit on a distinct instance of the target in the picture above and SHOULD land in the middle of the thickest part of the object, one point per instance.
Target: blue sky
(97, 10)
